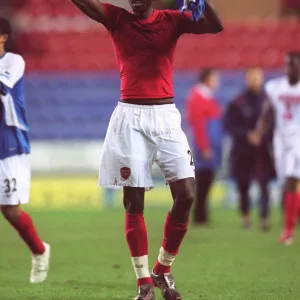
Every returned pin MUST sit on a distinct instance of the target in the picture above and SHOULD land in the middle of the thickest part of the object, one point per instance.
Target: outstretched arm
(92, 8)
(211, 22)
(104, 13)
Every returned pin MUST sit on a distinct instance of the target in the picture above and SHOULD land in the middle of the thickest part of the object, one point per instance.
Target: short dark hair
(5, 27)
(205, 74)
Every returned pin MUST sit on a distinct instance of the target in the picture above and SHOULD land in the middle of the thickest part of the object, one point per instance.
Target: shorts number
(191, 161)
(10, 185)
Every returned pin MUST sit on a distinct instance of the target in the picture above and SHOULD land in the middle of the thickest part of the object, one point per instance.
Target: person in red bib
(204, 116)
(145, 128)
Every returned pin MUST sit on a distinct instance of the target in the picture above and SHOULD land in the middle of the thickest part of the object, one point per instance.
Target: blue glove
(196, 7)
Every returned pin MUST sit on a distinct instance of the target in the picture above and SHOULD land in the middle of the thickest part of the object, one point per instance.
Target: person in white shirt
(284, 99)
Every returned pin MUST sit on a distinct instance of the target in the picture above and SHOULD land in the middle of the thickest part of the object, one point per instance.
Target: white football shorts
(287, 156)
(15, 179)
(139, 136)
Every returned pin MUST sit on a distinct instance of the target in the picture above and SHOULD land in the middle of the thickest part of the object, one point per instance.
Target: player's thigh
(11, 212)
(15, 180)
(127, 155)
(292, 164)
(174, 156)
(134, 199)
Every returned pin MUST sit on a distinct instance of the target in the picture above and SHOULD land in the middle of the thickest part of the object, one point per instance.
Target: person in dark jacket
(204, 118)
(250, 160)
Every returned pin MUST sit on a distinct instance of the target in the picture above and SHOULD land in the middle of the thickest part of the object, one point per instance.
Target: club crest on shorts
(125, 172)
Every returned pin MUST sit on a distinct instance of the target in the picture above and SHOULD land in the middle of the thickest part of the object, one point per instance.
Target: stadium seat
(79, 105)
(72, 84)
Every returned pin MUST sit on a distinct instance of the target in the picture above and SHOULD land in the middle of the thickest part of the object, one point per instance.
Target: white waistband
(141, 106)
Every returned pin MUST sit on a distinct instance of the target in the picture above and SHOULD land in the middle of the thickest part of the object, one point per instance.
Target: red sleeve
(185, 24)
(196, 115)
(111, 15)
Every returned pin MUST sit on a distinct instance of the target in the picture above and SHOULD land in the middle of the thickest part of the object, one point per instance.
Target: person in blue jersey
(14, 155)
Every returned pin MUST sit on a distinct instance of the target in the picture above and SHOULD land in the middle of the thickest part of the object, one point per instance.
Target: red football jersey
(201, 107)
(145, 48)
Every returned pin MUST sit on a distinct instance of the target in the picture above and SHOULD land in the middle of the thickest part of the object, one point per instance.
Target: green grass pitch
(90, 259)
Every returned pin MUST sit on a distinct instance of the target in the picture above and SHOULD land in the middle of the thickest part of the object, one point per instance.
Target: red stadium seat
(65, 44)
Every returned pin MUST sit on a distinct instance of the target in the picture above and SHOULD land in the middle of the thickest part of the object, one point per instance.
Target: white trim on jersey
(13, 69)
(204, 90)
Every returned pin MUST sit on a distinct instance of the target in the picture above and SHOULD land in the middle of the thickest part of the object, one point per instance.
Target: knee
(134, 200)
(11, 213)
(185, 198)
(182, 205)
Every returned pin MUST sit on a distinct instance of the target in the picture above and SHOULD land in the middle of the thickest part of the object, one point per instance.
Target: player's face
(140, 6)
(255, 79)
(214, 81)
(292, 65)
(3, 39)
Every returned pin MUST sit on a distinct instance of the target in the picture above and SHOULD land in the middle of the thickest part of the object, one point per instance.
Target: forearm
(200, 134)
(263, 123)
(91, 8)
(212, 18)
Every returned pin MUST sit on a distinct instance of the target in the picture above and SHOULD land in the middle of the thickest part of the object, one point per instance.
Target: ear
(5, 37)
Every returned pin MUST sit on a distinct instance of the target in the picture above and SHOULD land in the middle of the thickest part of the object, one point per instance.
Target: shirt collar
(204, 90)
(3, 55)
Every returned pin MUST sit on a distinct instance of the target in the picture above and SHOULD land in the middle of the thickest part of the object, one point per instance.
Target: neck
(206, 84)
(2, 51)
(144, 15)
(254, 91)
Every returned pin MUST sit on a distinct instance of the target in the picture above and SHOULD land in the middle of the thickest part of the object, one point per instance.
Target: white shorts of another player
(287, 155)
(15, 179)
(139, 136)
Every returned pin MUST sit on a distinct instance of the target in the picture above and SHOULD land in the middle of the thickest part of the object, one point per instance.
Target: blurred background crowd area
(55, 35)
(72, 80)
